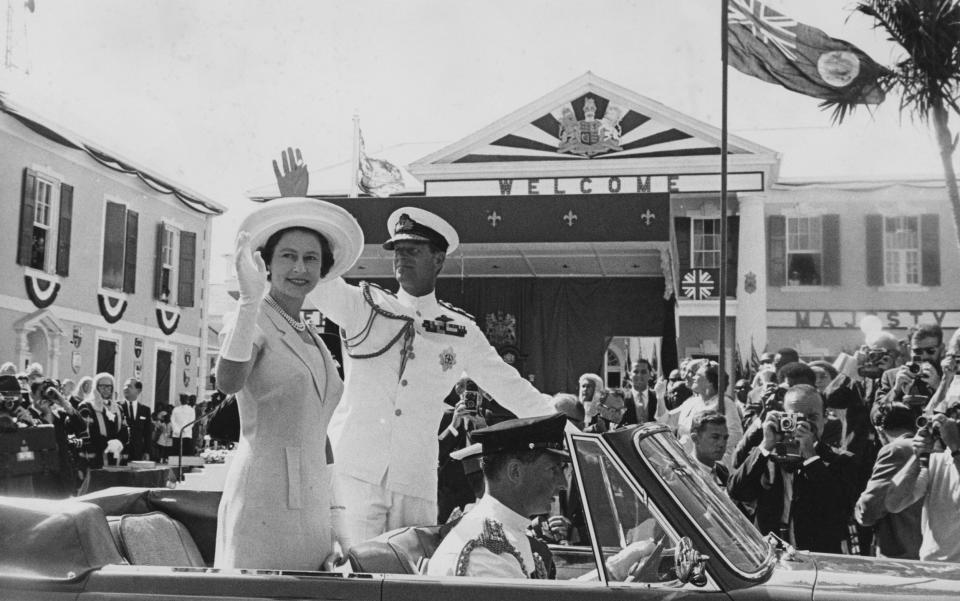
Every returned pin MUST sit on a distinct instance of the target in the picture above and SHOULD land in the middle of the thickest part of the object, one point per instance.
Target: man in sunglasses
(920, 376)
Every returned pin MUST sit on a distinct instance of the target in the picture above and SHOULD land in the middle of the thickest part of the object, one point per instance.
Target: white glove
(114, 447)
(237, 344)
(251, 270)
(619, 565)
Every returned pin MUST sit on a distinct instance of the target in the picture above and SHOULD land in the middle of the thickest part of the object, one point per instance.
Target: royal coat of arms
(590, 136)
(501, 329)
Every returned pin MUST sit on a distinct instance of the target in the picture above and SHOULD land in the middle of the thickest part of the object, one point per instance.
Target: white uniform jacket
(489, 541)
(402, 356)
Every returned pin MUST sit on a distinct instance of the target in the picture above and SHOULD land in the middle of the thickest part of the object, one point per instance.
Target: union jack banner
(766, 24)
(768, 45)
(697, 284)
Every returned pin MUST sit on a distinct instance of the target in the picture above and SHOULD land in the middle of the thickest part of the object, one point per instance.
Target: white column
(752, 260)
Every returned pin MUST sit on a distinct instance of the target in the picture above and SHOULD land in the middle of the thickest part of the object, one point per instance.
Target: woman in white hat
(275, 511)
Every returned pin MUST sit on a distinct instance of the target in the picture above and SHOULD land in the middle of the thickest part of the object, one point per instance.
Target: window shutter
(27, 206)
(733, 248)
(776, 250)
(930, 249)
(830, 250)
(63, 229)
(187, 268)
(681, 227)
(875, 250)
(158, 263)
(130, 253)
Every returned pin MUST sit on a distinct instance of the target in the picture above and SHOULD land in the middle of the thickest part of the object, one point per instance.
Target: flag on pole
(377, 177)
(754, 359)
(739, 369)
(775, 48)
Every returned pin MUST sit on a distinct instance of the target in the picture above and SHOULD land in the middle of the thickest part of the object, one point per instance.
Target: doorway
(623, 351)
(161, 386)
(107, 356)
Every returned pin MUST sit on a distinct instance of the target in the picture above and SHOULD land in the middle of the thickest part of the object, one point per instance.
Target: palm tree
(927, 79)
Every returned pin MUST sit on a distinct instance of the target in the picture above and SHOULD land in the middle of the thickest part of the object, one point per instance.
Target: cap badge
(404, 223)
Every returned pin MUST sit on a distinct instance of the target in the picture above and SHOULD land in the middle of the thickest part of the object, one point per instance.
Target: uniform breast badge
(444, 325)
(493, 539)
(448, 358)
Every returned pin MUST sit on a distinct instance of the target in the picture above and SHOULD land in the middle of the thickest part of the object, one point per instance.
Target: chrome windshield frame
(765, 566)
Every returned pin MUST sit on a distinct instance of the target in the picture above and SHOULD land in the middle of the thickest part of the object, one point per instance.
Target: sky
(208, 92)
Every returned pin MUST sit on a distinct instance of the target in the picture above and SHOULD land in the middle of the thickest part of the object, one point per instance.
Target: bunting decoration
(168, 319)
(378, 177)
(768, 45)
(42, 292)
(111, 307)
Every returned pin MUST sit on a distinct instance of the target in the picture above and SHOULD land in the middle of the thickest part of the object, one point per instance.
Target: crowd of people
(84, 424)
(857, 458)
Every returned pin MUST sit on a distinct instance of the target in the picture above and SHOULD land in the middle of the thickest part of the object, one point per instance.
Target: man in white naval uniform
(403, 353)
(522, 463)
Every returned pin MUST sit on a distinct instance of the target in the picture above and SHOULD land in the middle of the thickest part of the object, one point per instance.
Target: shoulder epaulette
(493, 539)
(447, 305)
(365, 284)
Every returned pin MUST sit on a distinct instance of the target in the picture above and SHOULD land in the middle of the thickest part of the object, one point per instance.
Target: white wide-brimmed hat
(334, 223)
(418, 225)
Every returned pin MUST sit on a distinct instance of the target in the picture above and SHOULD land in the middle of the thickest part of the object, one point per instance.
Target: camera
(925, 422)
(8, 404)
(789, 420)
(787, 448)
(913, 366)
(871, 369)
(471, 396)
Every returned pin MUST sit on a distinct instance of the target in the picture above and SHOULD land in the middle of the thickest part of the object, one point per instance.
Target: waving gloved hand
(238, 338)
(251, 270)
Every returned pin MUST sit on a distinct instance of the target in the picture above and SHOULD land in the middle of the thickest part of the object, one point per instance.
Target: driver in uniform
(523, 469)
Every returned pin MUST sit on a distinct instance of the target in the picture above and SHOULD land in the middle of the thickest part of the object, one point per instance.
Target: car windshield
(735, 538)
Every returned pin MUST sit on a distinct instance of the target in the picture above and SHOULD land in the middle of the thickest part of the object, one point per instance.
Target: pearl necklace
(296, 324)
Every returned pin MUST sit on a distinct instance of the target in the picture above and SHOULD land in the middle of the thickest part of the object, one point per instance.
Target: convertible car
(636, 485)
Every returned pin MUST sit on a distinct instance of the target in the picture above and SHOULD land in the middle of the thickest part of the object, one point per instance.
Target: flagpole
(722, 284)
(355, 158)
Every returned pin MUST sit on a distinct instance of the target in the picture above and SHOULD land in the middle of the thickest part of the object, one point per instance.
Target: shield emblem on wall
(137, 347)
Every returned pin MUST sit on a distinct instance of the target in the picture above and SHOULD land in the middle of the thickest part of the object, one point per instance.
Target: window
(706, 243)
(119, 248)
(804, 258)
(175, 266)
(42, 229)
(901, 250)
(167, 263)
(46, 209)
(797, 248)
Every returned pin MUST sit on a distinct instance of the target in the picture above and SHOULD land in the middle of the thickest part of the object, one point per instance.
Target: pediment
(590, 119)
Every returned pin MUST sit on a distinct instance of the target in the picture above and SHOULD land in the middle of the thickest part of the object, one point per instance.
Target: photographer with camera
(14, 412)
(54, 409)
(767, 395)
(897, 534)
(801, 486)
(933, 477)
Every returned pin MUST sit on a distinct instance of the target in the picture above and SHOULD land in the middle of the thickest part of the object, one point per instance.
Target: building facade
(106, 263)
(824, 254)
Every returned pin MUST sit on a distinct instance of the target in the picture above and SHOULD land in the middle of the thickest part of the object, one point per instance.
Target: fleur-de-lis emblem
(448, 358)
